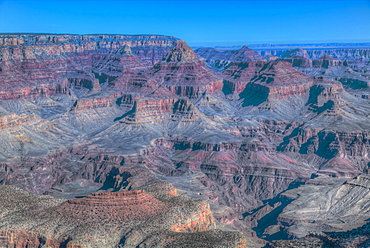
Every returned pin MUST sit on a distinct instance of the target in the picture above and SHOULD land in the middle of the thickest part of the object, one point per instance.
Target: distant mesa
(296, 53)
(326, 61)
(220, 60)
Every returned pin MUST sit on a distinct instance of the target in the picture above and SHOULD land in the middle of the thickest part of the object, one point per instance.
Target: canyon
(141, 141)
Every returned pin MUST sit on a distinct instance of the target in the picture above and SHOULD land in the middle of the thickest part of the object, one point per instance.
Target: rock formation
(239, 74)
(326, 61)
(298, 58)
(275, 81)
(131, 141)
(220, 60)
(184, 74)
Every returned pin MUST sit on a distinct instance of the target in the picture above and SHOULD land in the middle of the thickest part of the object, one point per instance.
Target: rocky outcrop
(337, 144)
(326, 61)
(298, 58)
(97, 102)
(238, 75)
(324, 93)
(301, 58)
(353, 81)
(84, 83)
(349, 72)
(198, 222)
(157, 106)
(296, 52)
(333, 146)
(276, 80)
(184, 74)
(134, 82)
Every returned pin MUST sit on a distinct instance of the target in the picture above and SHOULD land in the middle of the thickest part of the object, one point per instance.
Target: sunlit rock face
(133, 141)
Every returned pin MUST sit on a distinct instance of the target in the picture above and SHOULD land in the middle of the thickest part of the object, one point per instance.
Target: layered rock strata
(152, 148)
(184, 74)
(276, 80)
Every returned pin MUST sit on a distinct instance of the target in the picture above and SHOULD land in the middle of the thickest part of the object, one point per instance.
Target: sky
(203, 22)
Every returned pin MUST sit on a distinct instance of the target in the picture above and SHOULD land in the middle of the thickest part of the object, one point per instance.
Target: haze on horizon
(200, 23)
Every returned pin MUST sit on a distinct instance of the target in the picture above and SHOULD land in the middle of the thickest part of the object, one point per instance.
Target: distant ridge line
(307, 46)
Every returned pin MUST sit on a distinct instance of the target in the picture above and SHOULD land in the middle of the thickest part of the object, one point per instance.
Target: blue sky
(197, 22)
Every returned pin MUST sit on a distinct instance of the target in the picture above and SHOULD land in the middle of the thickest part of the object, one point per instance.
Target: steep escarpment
(37, 65)
(29, 79)
(143, 46)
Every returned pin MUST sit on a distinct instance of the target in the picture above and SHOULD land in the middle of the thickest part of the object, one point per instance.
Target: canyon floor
(141, 141)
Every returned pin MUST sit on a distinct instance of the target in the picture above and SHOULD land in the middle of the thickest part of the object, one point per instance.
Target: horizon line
(210, 43)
